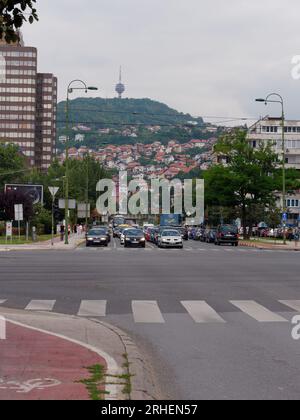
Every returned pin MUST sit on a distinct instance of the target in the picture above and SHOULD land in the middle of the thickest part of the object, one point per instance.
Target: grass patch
(22, 240)
(95, 382)
(99, 379)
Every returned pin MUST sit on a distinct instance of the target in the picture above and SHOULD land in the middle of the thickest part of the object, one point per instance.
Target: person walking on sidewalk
(297, 237)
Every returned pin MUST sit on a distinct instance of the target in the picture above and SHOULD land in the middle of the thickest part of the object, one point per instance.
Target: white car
(170, 239)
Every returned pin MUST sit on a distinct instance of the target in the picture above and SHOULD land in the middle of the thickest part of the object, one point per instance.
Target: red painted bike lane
(39, 366)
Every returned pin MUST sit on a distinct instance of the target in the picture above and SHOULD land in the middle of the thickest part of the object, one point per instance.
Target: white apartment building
(270, 130)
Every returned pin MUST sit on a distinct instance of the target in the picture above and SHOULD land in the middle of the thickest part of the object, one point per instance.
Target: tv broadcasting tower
(120, 87)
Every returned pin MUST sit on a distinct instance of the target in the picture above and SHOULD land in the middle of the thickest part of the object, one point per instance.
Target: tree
(12, 16)
(248, 181)
(12, 164)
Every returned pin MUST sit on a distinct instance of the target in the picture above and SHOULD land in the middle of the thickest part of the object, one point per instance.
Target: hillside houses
(151, 160)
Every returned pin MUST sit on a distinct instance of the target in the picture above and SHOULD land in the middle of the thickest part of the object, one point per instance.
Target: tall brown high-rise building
(28, 104)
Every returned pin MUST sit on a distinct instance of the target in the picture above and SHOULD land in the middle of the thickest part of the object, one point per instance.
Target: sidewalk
(290, 246)
(74, 241)
(59, 357)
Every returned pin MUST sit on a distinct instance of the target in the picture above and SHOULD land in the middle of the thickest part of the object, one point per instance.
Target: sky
(203, 57)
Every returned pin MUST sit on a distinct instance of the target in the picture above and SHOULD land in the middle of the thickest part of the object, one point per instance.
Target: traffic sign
(72, 204)
(18, 212)
(53, 191)
(9, 230)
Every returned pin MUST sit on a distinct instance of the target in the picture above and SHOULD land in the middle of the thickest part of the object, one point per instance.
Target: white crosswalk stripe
(257, 311)
(2, 301)
(147, 312)
(40, 305)
(92, 308)
(201, 312)
(294, 304)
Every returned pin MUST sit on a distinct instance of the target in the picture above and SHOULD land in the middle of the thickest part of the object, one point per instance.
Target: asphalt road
(210, 319)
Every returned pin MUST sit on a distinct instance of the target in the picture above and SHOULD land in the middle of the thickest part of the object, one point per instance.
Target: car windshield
(229, 229)
(96, 232)
(134, 232)
(170, 233)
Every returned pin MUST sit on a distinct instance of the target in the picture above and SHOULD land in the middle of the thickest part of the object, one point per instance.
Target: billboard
(35, 192)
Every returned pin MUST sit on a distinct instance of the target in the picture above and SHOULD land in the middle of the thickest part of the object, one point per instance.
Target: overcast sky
(205, 57)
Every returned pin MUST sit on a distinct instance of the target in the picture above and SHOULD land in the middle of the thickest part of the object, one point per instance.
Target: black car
(134, 238)
(103, 229)
(227, 234)
(97, 237)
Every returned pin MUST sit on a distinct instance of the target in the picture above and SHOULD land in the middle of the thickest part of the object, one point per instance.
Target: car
(210, 236)
(170, 238)
(116, 232)
(153, 235)
(97, 237)
(134, 238)
(104, 228)
(227, 234)
(122, 236)
(148, 234)
(120, 230)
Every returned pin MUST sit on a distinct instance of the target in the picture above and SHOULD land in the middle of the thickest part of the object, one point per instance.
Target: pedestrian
(297, 237)
(62, 232)
(75, 229)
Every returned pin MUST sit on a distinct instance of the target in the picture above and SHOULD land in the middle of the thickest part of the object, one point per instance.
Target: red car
(148, 235)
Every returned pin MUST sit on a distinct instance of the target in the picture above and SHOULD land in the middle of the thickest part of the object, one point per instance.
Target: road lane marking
(2, 301)
(202, 313)
(40, 305)
(257, 311)
(294, 304)
(147, 312)
(92, 308)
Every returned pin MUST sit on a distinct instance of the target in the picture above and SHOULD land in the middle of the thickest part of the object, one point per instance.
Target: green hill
(128, 121)
(115, 113)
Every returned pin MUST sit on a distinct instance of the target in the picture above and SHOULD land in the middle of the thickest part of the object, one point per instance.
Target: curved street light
(70, 90)
(280, 101)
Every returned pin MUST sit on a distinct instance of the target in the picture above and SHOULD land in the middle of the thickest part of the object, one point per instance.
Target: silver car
(170, 238)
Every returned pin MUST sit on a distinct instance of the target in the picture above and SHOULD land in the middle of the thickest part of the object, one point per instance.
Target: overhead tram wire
(162, 115)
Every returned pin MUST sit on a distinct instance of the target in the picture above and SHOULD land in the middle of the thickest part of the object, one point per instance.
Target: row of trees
(246, 186)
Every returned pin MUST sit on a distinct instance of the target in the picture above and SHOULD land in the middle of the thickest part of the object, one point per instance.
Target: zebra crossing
(186, 249)
(149, 311)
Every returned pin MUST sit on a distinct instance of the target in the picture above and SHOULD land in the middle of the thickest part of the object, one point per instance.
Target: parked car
(134, 238)
(199, 234)
(96, 237)
(227, 234)
(170, 239)
(211, 236)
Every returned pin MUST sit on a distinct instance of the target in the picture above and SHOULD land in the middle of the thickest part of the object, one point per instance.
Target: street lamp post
(69, 91)
(280, 101)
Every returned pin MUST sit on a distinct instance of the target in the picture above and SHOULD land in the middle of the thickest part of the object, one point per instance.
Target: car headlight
(90, 239)
(127, 239)
(142, 239)
(103, 239)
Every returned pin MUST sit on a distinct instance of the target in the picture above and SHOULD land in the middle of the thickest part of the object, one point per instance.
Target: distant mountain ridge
(103, 113)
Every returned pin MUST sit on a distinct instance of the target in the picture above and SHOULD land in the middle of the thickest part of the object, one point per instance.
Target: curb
(42, 248)
(272, 248)
(143, 381)
(142, 378)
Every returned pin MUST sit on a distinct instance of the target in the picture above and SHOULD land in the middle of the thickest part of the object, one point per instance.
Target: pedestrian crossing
(186, 249)
(150, 312)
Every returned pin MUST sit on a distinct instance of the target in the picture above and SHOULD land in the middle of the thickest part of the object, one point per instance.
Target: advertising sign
(35, 192)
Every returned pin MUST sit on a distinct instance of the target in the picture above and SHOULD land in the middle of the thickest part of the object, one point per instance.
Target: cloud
(202, 57)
